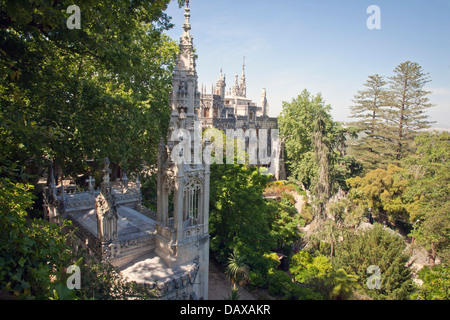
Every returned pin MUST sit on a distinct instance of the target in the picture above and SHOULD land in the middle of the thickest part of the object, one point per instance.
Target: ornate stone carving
(106, 209)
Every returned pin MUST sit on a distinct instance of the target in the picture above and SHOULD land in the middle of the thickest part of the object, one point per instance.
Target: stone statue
(106, 209)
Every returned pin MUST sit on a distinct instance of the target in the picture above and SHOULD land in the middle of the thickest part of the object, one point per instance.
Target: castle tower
(183, 181)
(236, 89)
(220, 85)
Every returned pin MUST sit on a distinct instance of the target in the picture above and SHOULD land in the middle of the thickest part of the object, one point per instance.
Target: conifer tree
(368, 110)
(321, 183)
(407, 101)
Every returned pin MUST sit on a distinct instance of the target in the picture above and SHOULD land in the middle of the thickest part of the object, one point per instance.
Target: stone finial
(106, 171)
(187, 24)
(124, 181)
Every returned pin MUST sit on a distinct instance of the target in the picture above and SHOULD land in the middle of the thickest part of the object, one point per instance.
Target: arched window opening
(192, 201)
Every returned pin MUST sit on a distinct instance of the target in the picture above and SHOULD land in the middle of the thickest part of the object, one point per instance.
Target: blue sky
(319, 45)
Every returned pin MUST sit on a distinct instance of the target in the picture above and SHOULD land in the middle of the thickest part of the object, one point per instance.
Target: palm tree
(342, 284)
(236, 269)
(234, 295)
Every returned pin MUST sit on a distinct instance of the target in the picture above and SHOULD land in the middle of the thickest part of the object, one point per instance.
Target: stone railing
(122, 249)
(90, 240)
(177, 287)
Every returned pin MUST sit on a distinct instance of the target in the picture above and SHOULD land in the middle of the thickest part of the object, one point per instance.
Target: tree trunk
(432, 255)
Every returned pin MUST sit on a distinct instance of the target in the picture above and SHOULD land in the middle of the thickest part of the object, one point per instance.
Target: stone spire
(243, 87)
(264, 104)
(187, 15)
(185, 97)
(186, 60)
(236, 85)
(220, 85)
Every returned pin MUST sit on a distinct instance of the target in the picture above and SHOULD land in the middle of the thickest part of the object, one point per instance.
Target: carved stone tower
(183, 178)
(243, 86)
(220, 85)
(264, 103)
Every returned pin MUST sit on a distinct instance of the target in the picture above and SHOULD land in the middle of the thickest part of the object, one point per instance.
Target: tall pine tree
(407, 101)
(368, 110)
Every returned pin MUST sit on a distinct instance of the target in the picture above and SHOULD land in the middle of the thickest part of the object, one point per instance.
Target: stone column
(204, 254)
(178, 202)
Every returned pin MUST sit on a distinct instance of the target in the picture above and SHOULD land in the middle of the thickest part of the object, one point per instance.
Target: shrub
(256, 279)
(380, 247)
(278, 280)
(32, 252)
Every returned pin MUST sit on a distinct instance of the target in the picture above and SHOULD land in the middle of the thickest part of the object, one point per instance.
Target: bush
(256, 279)
(33, 253)
(380, 247)
(293, 291)
(148, 191)
(436, 284)
(281, 285)
(277, 281)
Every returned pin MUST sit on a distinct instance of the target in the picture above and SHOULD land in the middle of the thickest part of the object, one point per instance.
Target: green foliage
(286, 217)
(284, 222)
(376, 246)
(407, 100)
(304, 293)
(234, 295)
(342, 284)
(257, 279)
(238, 212)
(306, 268)
(315, 148)
(345, 213)
(273, 258)
(236, 269)
(388, 119)
(244, 226)
(281, 285)
(105, 282)
(368, 111)
(62, 292)
(148, 191)
(277, 281)
(436, 284)
(298, 124)
(381, 190)
(32, 252)
(319, 275)
(285, 187)
(70, 95)
(427, 197)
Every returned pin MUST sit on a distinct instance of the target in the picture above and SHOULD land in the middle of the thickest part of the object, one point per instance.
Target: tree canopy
(69, 95)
